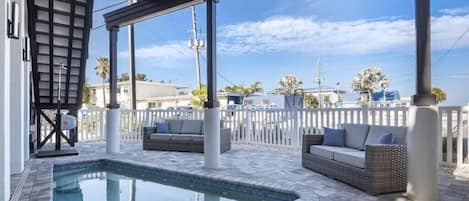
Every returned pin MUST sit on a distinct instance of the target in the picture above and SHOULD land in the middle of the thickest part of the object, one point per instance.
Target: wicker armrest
(147, 131)
(309, 140)
(225, 134)
(386, 166)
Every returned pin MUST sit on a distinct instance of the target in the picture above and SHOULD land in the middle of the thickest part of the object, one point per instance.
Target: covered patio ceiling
(145, 9)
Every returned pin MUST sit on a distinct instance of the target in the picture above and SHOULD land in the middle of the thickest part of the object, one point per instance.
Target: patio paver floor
(278, 169)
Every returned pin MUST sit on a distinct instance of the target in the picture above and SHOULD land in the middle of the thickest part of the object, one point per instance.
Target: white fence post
(102, 125)
(365, 114)
(147, 117)
(459, 148)
(248, 126)
(296, 131)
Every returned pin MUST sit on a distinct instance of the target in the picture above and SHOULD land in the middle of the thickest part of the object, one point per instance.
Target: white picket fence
(284, 128)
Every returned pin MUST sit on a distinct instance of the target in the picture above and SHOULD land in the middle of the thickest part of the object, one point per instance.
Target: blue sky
(267, 39)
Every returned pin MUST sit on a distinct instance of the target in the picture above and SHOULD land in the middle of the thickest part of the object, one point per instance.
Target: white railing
(284, 128)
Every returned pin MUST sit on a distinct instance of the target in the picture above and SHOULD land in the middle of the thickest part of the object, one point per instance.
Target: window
(151, 104)
(93, 91)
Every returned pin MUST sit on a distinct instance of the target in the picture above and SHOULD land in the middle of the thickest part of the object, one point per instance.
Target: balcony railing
(283, 129)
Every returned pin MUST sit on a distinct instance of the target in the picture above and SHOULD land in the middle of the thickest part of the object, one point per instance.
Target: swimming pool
(115, 181)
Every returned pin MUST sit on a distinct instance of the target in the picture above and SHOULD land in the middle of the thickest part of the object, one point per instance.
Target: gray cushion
(160, 136)
(181, 138)
(198, 138)
(175, 126)
(192, 127)
(203, 126)
(327, 151)
(399, 134)
(354, 158)
(355, 135)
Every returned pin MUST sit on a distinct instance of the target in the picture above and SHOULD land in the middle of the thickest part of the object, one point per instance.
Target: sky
(263, 40)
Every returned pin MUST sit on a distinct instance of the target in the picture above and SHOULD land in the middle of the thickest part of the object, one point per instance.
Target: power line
(219, 74)
(110, 6)
(452, 46)
(97, 27)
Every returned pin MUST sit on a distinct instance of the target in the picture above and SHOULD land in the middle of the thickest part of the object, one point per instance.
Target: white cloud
(309, 35)
(167, 55)
(455, 11)
(336, 37)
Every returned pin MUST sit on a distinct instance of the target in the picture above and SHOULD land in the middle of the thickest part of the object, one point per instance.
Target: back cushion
(174, 126)
(203, 126)
(399, 134)
(355, 135)
(191, 127)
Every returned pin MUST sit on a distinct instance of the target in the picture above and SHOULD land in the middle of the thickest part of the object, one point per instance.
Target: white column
(113, 131)
(211, 197)
(212, 138)
(422, 170)
(112, 187)
(4, 105)
(26, 84)
(16, 102)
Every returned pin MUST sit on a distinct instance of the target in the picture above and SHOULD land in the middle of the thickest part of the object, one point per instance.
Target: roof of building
(323, 89)
(178, 86)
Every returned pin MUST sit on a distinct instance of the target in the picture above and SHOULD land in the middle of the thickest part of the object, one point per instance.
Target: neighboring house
(144, 90)
(325, 91)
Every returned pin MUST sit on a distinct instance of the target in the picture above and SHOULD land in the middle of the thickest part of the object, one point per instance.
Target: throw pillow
(162, 127)
(334, 137)
(386, 139)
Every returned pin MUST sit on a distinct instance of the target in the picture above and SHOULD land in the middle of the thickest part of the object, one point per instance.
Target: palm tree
(102, 70)
(311, 101)
(368, 81)
(255, 87)
(289, 85)
(123, 77)
(439, 94)
(141, 77)
(240, 89)
(86, 93)
(199, 97)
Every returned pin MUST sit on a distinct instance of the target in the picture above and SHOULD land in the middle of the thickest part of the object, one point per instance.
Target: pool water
(108, 186)
(97, 183)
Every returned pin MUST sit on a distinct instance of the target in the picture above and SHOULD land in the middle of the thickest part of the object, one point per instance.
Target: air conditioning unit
(13, 20)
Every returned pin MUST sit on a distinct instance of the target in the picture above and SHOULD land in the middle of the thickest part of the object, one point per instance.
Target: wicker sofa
(184, 135)
(363, 163)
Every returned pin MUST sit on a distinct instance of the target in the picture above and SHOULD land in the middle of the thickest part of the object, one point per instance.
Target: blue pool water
(115, 181)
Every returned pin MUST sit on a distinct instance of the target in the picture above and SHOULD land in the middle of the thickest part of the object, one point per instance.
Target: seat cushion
(333, 137)
(192, 127)
(399, 134)
(198, 138)
(160, 136)
(355, 135)
(327, 151)
(175, 126)
(354, 158)
(181, 138)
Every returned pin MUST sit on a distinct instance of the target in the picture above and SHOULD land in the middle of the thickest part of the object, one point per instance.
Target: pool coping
(39, 185)
(149, 173)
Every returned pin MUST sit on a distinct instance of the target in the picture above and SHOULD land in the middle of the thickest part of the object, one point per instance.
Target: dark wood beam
(144, 9)
(113, 67)
(84, 53)
(51, 52)
(69, 53)
(423, 85)
(211, 55)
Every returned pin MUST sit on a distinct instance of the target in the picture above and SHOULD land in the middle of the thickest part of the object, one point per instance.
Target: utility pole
(319, 80)
(196, 44)
(132, 83)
